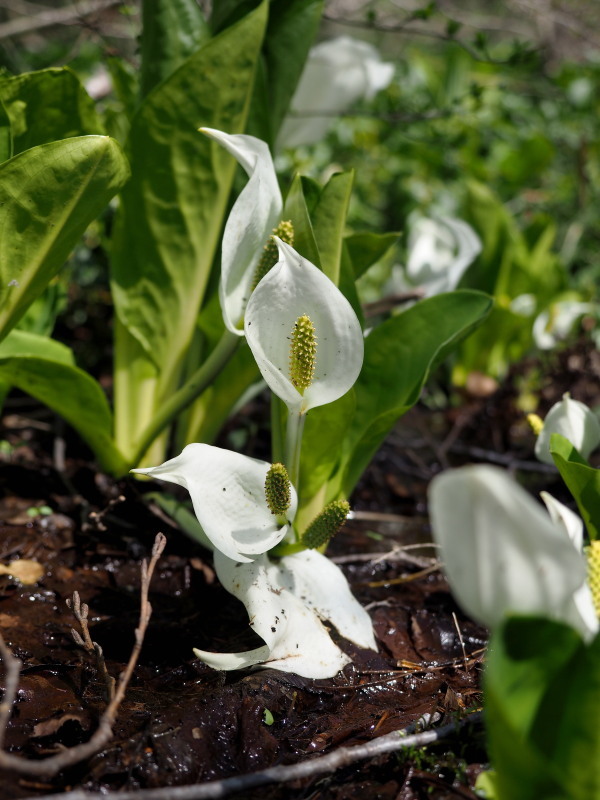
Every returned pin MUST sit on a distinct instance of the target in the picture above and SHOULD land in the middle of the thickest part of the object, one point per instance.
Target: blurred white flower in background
(337, 73)
(555, 323)
(439, 251)
(573, 420)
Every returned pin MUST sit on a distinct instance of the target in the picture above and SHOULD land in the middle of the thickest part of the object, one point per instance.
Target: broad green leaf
(6, 143)
(171, 31)
(46, 106)
(293, 25)
(296, 210)
(365, 249)
(48, 197)
(583, 481)
(324, 429)
(399, 356)
(539, 679)
(329, 222)
(45, 369)
(227, 12)
(171, 213)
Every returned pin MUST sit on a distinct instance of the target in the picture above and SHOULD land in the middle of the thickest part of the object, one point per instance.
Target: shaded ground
(182, 722)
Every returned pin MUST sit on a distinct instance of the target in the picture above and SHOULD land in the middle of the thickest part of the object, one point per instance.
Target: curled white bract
(228, 494)
(293, 288)
(286, 602)
(573, 420)
(337, 73)
(503, 554)
(439, 252)
(255, 214)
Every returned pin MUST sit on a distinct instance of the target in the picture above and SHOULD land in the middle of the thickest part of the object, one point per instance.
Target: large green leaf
(171, 31)
(293, 25)
(329, 222)
(542, 700)
(46, 106)
(296, 209)
(171, 212)
(46, 370)
(399, 356)
(365, 249)
(6, 142)
(582, 480)
(48, 196)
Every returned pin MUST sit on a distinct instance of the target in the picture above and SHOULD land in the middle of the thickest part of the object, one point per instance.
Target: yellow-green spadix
(296, 293)
(228, 494)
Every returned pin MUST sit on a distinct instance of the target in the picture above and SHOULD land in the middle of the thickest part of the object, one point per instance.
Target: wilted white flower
(337, 73)
(286, 602)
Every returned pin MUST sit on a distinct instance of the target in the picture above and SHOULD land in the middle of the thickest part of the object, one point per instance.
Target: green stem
(293, 446)
(278, 409)
(192, 388)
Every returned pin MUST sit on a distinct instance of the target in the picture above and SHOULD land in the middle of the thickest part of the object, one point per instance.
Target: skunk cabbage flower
(337, 74)
(573, 420)
(303, 333)
(439, 252)
(253, 217)
(554, 324)
(228, 495)
(286, 602)
(504, 554)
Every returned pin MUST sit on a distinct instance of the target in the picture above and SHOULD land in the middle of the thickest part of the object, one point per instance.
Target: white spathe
(337, 73)
(555, 323)
(228, 495)
(256, 212)
(294, 287)
(439, 251)
(502, 552)
(573, 420)
(286, 602)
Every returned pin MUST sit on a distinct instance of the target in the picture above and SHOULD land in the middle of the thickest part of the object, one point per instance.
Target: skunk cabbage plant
(228, 495)
(503, 554)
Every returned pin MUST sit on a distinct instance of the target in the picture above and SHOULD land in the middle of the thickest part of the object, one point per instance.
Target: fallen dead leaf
(24, 569)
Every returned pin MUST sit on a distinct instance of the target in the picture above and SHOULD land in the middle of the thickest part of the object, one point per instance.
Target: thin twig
(342, 757)
(54, 16)
(80, 611)
(103, 733)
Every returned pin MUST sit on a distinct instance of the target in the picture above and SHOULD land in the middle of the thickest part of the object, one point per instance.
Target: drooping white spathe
(503, 554)
(439, 252)
(255, 213)
(228, 495)
(294, 287)
(573, 420)
(286, 602)
(555, 323)
(337, 73)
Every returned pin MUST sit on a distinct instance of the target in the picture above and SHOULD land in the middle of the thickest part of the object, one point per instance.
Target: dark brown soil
(184, 723)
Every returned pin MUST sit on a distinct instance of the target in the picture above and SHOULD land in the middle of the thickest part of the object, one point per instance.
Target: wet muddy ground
(182, 722)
